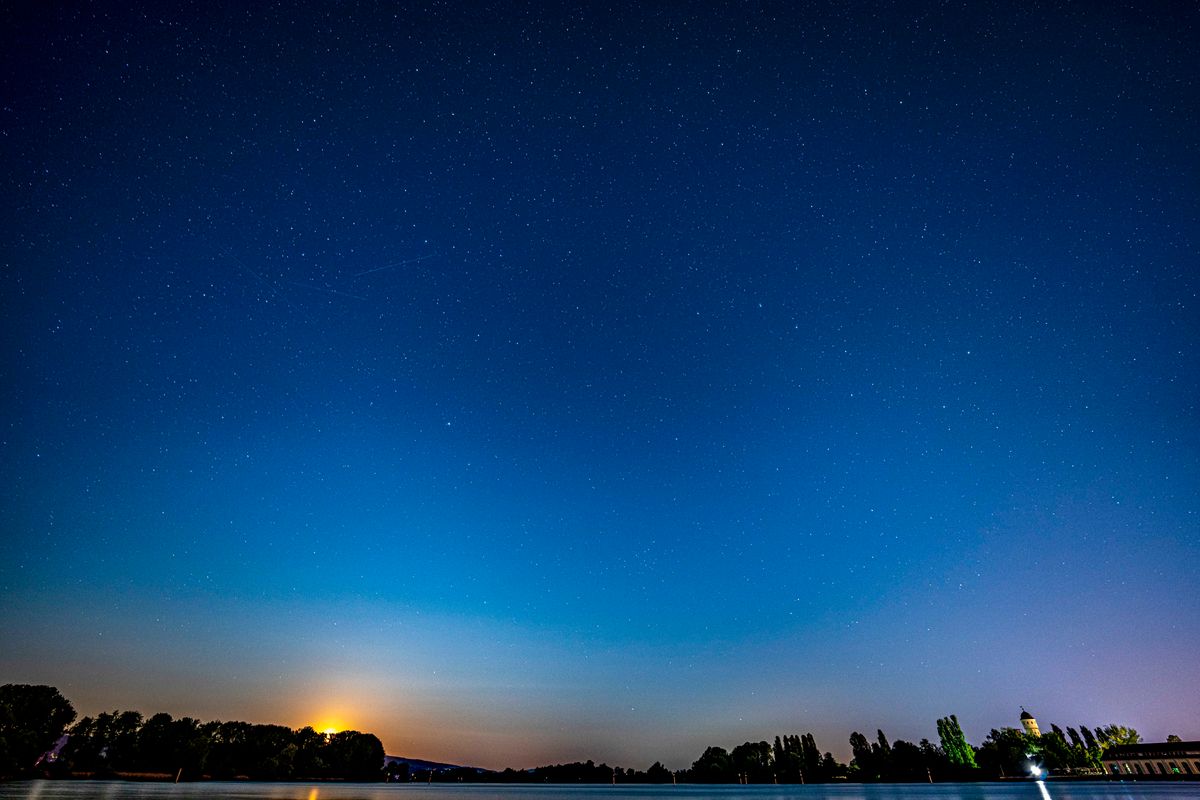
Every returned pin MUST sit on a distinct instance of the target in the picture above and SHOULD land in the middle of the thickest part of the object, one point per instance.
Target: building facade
(1153, 759)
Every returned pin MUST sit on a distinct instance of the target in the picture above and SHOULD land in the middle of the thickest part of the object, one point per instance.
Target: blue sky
(529, 385)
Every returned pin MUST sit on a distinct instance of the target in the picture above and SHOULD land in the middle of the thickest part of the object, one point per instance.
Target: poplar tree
(862, 755)
(1088, 738)
(1075, 740)
(810, 756)
(954, 743)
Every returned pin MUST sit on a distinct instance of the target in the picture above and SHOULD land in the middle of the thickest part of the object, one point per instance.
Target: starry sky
(528, 384)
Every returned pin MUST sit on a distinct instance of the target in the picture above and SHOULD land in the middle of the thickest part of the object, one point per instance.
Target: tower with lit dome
(1029, 723)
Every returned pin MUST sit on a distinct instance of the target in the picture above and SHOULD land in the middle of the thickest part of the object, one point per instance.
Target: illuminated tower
(1029, 723)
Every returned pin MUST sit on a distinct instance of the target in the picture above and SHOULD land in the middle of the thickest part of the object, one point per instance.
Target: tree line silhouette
(124, 743)
(33, 718)
(795, 759)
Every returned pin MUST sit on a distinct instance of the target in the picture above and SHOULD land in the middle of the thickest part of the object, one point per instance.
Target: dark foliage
(122, 742)
(32, 718)
(713, 766)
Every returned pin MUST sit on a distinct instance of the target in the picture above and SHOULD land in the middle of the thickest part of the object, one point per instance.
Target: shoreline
(163, 777)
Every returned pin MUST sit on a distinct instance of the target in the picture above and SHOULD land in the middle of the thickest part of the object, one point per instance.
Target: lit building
(1029, 723)
(1156, 758)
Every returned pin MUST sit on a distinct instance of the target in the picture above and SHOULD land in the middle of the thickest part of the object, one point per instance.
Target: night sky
(531, 384)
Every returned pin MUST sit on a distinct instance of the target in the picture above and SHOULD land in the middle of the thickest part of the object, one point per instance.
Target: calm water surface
(117, 790)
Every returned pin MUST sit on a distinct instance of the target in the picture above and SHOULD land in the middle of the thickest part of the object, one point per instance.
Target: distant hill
(420, 764)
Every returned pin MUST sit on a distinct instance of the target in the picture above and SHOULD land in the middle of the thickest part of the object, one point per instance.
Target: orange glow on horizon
(330, 726)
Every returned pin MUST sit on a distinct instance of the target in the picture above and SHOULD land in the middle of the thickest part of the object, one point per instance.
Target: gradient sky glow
(605, 382)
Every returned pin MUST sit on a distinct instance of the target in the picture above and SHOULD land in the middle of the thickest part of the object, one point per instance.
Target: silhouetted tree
(864, 758)
(1076, 741)
(938, 764)
(269, 753)
(713, 766)
(810, 759)
(789, 764)
(231, 750)
(752, 761)
(155, 744)
(830, 768)
(104, 744)
(907, 762)
(310, 759)
(657, 773)
(355, 756)
(32, 718)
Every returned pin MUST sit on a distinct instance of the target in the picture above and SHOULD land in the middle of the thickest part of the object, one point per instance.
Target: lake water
(118, 790)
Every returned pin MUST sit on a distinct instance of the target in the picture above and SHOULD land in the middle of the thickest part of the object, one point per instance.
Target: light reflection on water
(1026, 790)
